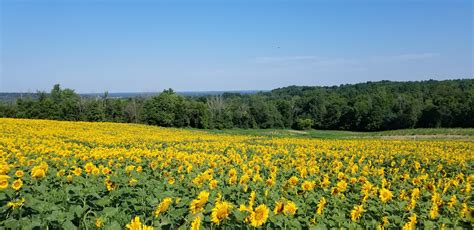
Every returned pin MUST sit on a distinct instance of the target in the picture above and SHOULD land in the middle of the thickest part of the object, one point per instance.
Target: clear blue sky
(130, 46)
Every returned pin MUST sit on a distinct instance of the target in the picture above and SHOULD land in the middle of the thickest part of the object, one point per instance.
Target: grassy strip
(442, 133)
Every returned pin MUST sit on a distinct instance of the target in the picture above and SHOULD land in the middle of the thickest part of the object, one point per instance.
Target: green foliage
(371, 106)
(304, 123)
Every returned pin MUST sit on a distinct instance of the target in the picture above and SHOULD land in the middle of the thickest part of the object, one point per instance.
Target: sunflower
(308, 185)
(163, 206)
(196, 223)
(278, 207)
(19, 173)
(366, 188)
(38, 172)
(259, 216)
(325, 183)
(4, 181)
(88, 167)
(99, 222)
(293, 180)
(17, 184)
(290, 208)
(16, 204)
(433, 214)
(69, 178)
(213, 184)
(356, 212)
(341, 186)
(77, 171)
(270, 182)
(132, 182)
(220, 211)
(197, 205)
(95, 171)
(411, 224)
(385, 195)
(321, 204)
(135, 224)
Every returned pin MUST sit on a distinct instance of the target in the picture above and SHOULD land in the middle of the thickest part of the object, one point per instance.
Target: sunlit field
(106, 175)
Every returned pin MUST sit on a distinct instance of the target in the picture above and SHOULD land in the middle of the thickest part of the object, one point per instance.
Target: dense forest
(370, 106)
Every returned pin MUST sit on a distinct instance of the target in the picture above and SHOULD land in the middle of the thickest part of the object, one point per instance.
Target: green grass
(441, 133)
(438, 131)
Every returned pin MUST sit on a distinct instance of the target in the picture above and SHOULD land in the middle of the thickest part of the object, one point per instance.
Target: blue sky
(130, 46)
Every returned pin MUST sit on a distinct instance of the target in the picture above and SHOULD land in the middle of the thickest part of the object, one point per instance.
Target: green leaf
(240, 216)
(109, 211)
(113, 226)
(68, 225)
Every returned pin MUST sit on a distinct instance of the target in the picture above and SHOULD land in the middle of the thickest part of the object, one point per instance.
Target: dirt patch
(297, 132)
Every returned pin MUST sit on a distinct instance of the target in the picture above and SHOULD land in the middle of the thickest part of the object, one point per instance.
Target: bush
(303, 124)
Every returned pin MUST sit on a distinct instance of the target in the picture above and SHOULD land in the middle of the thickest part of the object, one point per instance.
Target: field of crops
(112, 176)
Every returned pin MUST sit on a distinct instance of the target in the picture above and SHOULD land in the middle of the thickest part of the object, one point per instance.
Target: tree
(167, 109)
(304, 123)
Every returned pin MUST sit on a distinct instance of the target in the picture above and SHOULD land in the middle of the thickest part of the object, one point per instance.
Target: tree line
(370, 106)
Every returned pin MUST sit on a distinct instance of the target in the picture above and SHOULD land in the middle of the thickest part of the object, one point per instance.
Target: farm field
(56, 174)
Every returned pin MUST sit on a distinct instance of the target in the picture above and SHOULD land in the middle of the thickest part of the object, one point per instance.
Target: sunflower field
(67, 175)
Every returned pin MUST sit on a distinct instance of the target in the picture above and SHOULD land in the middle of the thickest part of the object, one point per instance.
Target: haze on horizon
(146, 46)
